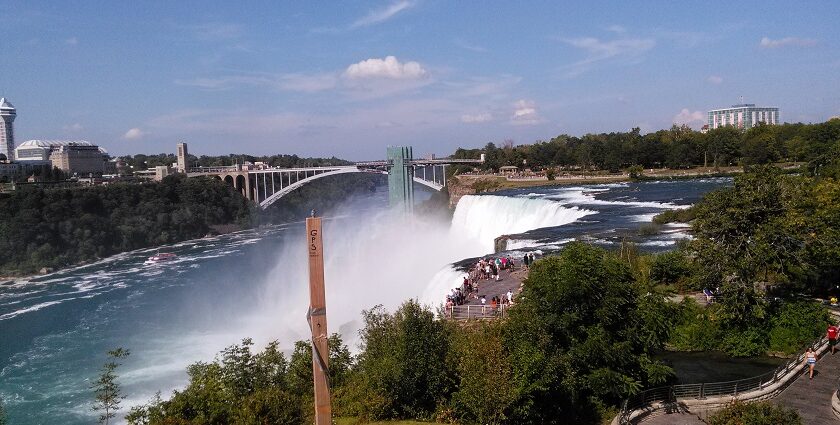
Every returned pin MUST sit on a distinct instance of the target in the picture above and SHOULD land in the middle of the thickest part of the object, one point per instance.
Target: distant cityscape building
(743, 116)
(79, 157)
(7, 133)
(182, 158)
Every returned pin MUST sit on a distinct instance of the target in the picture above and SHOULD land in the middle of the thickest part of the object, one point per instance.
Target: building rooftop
(48, 144)
(5, 104)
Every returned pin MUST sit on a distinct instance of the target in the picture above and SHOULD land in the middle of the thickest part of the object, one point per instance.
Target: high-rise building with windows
(744, 116)
(7, 133)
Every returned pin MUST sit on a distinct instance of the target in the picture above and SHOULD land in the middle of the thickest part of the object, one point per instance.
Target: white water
(484, 218)
(384, 259)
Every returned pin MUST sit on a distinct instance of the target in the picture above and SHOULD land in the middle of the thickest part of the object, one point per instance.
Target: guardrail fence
(671, 394)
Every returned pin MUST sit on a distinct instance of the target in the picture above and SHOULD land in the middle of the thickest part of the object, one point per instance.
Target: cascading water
(485, 217)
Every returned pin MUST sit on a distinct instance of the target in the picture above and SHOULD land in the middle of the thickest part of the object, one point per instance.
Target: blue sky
(349, 78)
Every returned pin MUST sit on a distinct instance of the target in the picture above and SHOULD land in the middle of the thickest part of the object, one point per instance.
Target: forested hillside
(60, 227)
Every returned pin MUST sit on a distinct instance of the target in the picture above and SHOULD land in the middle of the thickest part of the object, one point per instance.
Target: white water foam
(485, 217)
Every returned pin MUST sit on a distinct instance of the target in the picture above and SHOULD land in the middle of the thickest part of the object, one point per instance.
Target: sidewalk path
(812, 398)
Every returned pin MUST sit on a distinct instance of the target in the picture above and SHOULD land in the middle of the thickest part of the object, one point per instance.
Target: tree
(106, 388)
(402, 370)
(581, 337)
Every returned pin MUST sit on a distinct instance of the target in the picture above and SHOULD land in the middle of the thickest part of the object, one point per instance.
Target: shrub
(683, 215)
(648, 229)
(760, 413)
(796, 324)
(673, 268)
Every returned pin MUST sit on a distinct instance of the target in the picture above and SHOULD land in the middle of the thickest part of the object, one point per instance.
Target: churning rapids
(55, 329)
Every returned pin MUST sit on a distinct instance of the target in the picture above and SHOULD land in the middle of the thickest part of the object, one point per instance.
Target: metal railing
(476, 311)
(671, 394)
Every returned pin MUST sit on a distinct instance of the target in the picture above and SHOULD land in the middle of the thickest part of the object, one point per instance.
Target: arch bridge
(265, 186)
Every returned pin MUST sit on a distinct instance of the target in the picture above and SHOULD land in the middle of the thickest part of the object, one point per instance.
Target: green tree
(107, 389)
(579, 341)
(485, 392)
(402, 371)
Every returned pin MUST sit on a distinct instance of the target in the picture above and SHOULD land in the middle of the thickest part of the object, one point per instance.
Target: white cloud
(476, 118)
(768, 43)
(525, 113)
(382, 15)
(134, 134)
(688, 118)
(73, 127)
(715, 79)
(72, 41)
(599, 51)
(616, 29)
(389, 68)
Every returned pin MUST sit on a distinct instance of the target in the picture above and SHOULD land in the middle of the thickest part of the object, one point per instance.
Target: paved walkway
(812, 398)
(510, 281)
(681, 418)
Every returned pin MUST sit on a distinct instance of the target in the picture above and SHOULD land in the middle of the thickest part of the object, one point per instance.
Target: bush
(694, 331)
(636, 171)
(760, 413)
(795, 324)
(649, 229)
(673, 268)
(683, 215)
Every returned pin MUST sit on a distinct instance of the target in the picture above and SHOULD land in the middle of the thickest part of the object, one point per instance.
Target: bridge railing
(672, 393)
(476, 311)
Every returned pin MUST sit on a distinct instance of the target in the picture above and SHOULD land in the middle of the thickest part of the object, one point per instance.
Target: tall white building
(744, 116)
(7, 133)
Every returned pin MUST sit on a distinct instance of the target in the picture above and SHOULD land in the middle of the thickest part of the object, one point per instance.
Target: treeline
(143, 162)
(678, 147)
(60, 227)
(580, 338)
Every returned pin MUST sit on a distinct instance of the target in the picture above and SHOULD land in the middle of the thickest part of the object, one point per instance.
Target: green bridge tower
(401, 178)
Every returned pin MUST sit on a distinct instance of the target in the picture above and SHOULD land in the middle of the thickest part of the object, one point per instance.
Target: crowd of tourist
(486, 269)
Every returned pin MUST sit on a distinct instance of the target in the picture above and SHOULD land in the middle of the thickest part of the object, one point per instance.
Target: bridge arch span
(291, 188)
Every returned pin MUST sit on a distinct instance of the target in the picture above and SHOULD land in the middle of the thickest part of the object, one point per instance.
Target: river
(55, 329)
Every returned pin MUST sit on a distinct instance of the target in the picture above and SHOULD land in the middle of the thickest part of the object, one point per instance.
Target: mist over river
(55, 329)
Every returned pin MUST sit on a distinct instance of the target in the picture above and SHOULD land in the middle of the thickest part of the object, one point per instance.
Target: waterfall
(485, 217)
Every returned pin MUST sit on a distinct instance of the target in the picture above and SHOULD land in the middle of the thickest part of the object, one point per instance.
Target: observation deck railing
(476, 311)
(673, 393)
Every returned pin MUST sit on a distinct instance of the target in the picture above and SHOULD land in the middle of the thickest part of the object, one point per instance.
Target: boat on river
(160, 257)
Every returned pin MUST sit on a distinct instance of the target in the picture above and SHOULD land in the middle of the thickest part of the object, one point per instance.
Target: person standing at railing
(810, 360)
(831, 334)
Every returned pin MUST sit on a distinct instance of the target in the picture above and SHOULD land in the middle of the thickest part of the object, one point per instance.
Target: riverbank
(216, 230)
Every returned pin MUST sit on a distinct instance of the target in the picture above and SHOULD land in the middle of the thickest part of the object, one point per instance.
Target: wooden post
(318, 322)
